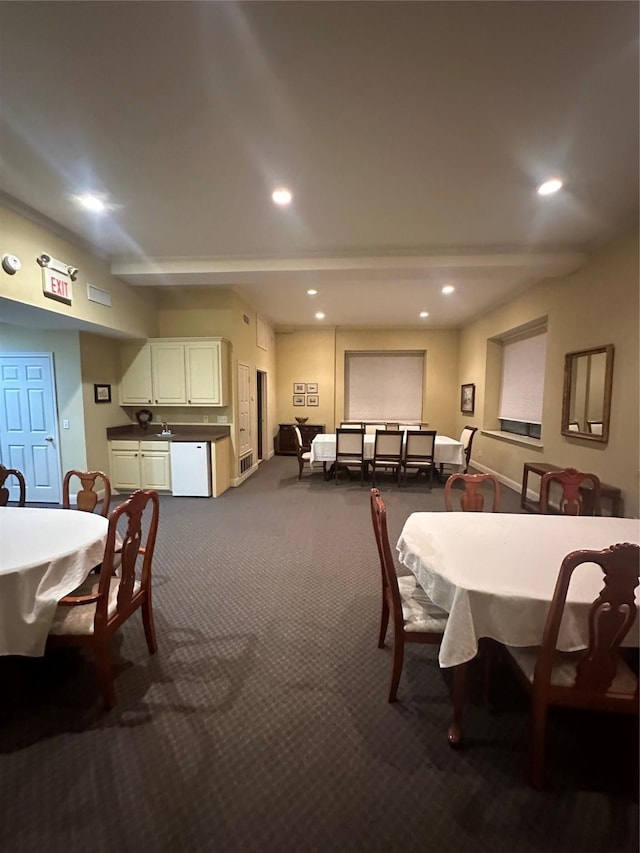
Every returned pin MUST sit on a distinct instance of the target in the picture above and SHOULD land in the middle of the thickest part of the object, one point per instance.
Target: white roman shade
(523, 365)
(381, 386)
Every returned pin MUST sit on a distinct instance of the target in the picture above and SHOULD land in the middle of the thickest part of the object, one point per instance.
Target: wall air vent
(246, 462)
(96, 294)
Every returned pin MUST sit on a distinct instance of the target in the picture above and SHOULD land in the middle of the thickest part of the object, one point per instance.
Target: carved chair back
(472, 499)
(611, 617)
(5, 473)
(571, 481)
(88, 497)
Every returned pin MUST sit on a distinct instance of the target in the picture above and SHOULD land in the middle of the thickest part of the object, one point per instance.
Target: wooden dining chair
(349, 452)
(5, 473)
(387, 453)
(419, 452)
(95, 491)
(415, 618)
(303, 451)
(597, 678)
(89, 615)
(571, 501)
(352, 425)
(472, 499)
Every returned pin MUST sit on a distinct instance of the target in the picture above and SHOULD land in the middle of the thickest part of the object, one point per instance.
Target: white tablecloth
(44, 555)
(495, 573)
(448, 451)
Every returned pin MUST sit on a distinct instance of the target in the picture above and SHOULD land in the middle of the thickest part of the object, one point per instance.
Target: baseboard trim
(511, 484)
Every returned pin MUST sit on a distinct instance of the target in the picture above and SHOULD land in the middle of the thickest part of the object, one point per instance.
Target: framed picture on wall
(313, 400)
(298, 399)
(467, 398)
(298, 387)
(102, 393)
(312, 387)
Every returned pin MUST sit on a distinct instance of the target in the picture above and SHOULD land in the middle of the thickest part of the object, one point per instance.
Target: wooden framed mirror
(586, 401)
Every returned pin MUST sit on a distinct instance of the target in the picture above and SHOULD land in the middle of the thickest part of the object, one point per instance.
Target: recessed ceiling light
(312, 292)
(549, 187)
(424, 313)
(319, 316)
(91, 202)
(282, 196)
(448, 288)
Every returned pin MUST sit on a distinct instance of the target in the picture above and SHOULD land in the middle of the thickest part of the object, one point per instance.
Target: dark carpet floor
(262, 722)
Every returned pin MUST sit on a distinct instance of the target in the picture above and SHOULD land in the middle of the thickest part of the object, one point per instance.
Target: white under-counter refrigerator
(191, 469)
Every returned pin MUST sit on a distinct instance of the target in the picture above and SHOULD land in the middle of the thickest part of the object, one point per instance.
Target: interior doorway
(261, 413)
(29, 424)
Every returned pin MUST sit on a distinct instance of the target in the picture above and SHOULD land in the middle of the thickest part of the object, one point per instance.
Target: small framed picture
(312, 387)
(467, 398)
(298, 399)
(298, 387)
(102, 393)
(313, 400)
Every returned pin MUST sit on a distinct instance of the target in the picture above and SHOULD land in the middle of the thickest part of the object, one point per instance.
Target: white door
(245, 442)
(29, 424)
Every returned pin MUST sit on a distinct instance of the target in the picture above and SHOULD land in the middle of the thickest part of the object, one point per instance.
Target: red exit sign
(55, 285)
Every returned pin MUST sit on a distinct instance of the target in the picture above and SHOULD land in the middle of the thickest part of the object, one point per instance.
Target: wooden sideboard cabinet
(285, 441)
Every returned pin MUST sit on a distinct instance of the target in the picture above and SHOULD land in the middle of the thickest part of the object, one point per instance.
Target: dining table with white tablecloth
(447, 451)
(44, 555)
(495, 574)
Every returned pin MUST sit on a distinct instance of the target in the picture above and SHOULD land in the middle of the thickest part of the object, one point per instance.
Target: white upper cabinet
(172, 372)
(167, 373)
(207, 373)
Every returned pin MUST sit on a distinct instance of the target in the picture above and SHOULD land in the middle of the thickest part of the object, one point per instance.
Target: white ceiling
(412, 135)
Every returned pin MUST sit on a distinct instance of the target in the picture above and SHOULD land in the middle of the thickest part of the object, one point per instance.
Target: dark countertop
(179, 432)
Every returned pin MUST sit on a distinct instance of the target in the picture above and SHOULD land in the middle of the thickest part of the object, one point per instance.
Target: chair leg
(149, 627)
(396, 672)
(538, 742)
(102, 657)
(384, 621)
(300, 466)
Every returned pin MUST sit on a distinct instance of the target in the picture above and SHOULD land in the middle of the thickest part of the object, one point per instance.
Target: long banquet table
(448, 451)
(495, 574)
(44, 555)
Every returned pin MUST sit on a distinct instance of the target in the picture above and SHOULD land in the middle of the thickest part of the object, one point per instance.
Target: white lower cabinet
(141, 465)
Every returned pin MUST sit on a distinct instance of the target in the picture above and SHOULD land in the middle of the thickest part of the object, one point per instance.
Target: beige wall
(306, 356)
(99, 365)
(132, 312)
(319, 356)
(594, 306)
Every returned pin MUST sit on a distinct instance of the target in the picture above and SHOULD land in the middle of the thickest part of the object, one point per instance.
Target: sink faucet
(165, 426)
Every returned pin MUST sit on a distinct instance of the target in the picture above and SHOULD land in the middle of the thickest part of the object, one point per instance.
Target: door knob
(49, 438)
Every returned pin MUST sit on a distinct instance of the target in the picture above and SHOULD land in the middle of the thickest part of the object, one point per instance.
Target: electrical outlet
(222, 419)
(205, 419)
